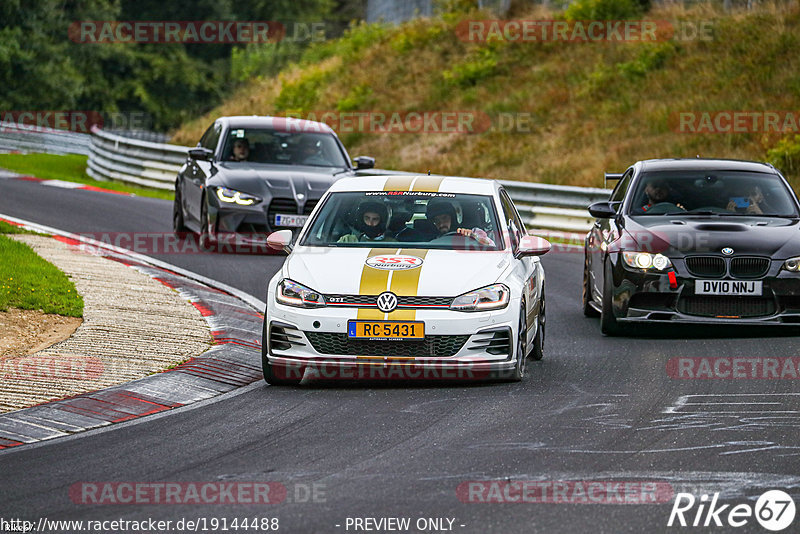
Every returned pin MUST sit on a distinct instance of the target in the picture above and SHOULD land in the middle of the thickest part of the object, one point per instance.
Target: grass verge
(70, 168)
(29, 282)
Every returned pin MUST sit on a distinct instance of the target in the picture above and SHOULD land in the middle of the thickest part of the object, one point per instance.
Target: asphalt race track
(596, 409)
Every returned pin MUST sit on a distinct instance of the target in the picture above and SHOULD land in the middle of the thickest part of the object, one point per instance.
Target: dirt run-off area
(24, 332)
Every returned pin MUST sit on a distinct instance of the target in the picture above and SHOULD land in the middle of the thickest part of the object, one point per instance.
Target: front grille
(716, 306)
(283, 337)
(280, 205)
(749, 267)
(712, 266)
(334, 343)
(309, 206)
(370, 301)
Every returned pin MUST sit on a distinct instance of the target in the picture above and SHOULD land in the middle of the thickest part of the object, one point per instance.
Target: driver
(370, 223)
(657, 192)
(443, 216)
(241, 150)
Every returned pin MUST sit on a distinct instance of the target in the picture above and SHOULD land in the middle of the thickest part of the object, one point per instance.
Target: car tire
(178, 224)
(537, 353)
(588, 309)
(608, 322)
(206, 241)
(270, 376)
(518, 373)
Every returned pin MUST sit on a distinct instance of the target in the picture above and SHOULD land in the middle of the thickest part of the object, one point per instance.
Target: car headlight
(231, 196)
(491, 297)
(293, 294)
(646, 260)
(792, 265)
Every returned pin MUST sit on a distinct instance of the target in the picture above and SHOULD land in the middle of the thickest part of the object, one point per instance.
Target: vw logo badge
(387, 301)
(727, 251)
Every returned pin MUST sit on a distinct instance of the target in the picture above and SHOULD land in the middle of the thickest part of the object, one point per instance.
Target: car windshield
(721, 193)
(405, 219)
(260, 145)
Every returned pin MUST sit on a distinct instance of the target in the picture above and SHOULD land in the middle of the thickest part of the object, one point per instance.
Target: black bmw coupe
(694, 241)
(250, 176)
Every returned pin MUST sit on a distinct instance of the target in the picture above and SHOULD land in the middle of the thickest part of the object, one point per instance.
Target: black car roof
(700, 164)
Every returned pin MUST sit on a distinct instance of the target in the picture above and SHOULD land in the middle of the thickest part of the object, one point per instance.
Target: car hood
(262, 179)
(441, 273)
(768, 236)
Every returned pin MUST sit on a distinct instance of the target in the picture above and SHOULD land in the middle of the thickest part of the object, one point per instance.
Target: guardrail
(113, 157)
(16, 137)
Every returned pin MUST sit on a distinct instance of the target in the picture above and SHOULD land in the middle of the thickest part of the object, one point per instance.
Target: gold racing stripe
(398, 183)
(373, 282)
(406, 283)
(429, 184)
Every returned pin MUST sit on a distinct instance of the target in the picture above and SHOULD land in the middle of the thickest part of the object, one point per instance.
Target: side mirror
(201, 153)
(280, 240)
(602, 210)
(531, 245)
(364, 162)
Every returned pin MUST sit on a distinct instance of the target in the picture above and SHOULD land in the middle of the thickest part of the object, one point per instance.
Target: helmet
(371, 207)
(441, 207)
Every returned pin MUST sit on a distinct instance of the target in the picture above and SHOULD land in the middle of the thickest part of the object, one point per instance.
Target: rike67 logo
(774, 510)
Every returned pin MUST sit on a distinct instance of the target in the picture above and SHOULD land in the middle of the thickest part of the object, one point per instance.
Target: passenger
(443, 216)
(753, 203)
(370, 223)
(311, 152)
(241, 150)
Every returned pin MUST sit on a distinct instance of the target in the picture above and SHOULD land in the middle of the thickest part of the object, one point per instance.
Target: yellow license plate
(386, 329)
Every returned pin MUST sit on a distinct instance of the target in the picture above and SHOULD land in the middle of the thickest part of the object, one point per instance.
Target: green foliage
(358, 98)
(786, 155)
(419, 33)
(356, 38)
(6, 228)
(651, 57)
(29, 282)
(604, 10)
(301, 95)
(262, 59)
(478, 66)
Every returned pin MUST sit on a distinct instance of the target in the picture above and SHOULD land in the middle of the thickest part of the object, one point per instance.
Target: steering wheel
(664, 207)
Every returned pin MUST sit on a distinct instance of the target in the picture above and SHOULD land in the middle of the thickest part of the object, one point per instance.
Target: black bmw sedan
(250, 176)
(694, 241)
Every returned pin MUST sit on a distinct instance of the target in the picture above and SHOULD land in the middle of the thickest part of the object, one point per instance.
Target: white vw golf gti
(407, 277)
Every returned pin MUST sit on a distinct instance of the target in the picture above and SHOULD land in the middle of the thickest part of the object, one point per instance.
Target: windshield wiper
(701, 212)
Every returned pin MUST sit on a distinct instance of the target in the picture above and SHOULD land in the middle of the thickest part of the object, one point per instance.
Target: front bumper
(457, 345)
(647, 297)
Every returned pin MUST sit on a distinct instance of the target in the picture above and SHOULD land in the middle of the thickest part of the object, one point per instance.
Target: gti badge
(727, 251)
(387, 301)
